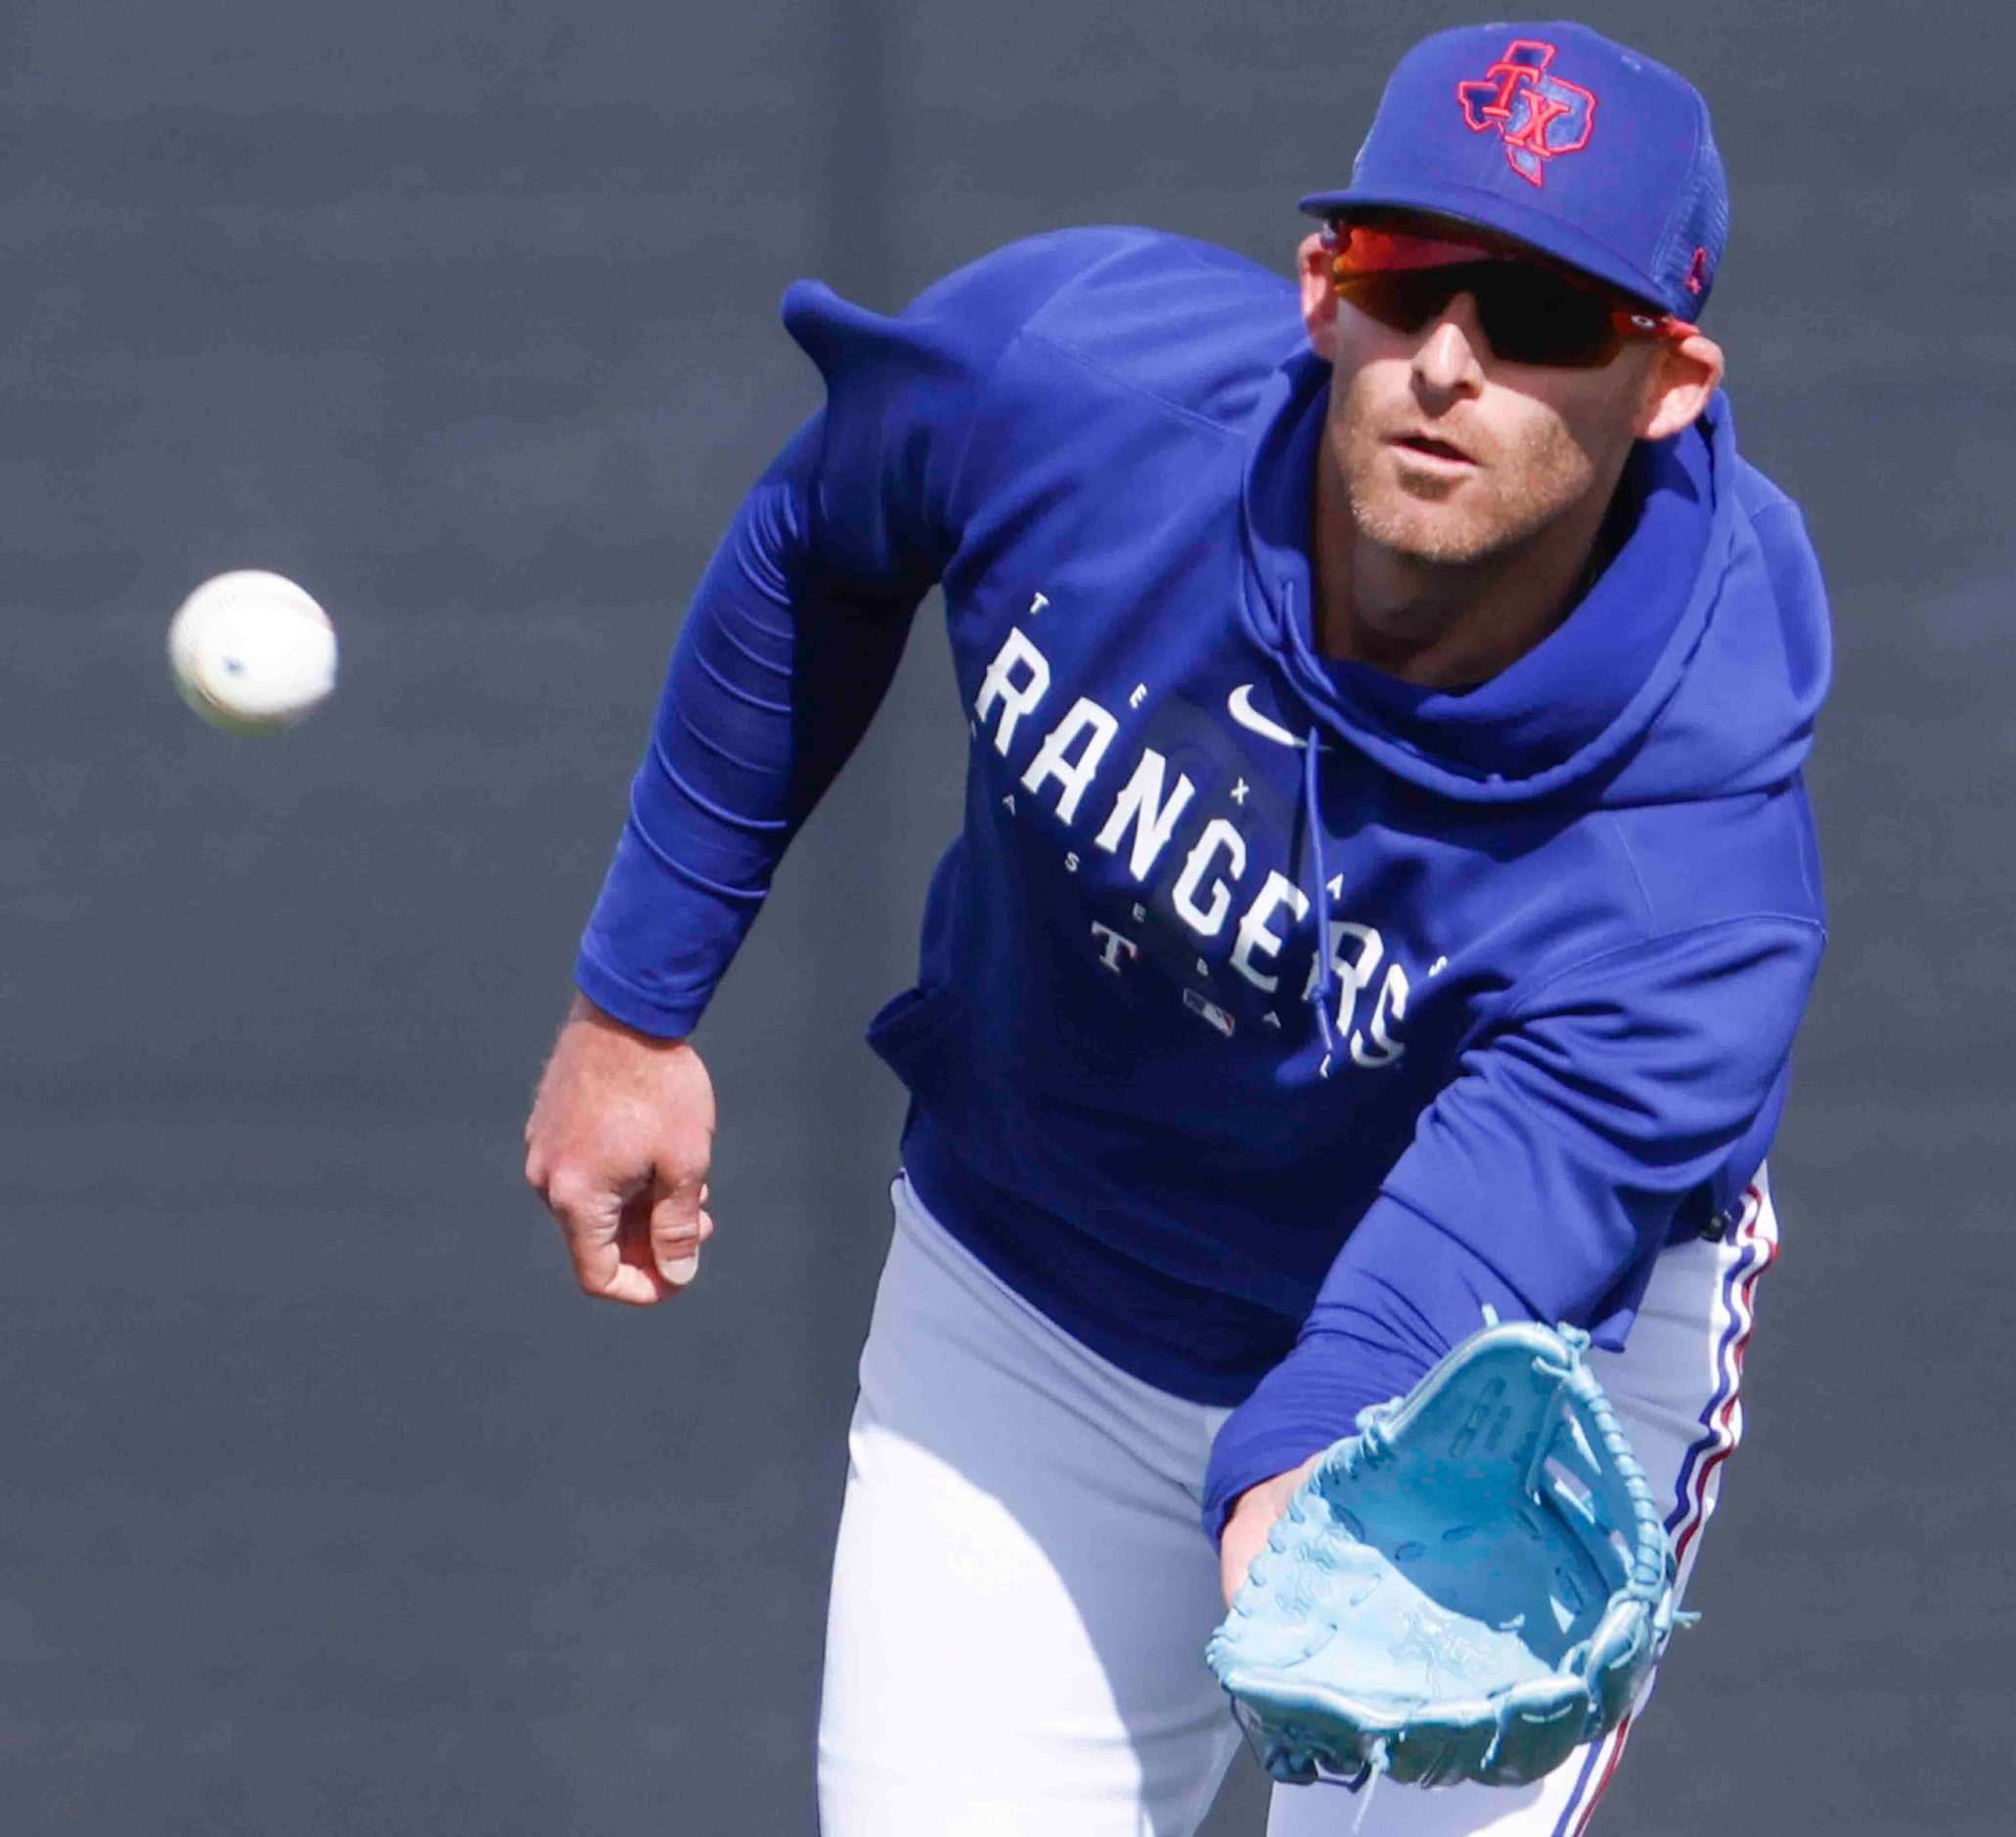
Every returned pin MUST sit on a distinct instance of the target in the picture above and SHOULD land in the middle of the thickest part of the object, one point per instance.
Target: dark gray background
(328, 1506)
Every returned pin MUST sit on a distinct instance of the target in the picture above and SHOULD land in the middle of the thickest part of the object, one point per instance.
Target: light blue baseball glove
(1469, 1587)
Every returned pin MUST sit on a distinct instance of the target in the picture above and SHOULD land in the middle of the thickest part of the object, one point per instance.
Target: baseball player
(1386, 898)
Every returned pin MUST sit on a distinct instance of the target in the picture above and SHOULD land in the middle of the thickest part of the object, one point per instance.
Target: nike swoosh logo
(1240, 702)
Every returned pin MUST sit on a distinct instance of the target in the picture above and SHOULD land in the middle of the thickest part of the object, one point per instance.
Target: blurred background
(327, 1504)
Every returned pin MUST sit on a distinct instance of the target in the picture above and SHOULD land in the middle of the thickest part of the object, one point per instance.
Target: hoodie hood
(1693, 667)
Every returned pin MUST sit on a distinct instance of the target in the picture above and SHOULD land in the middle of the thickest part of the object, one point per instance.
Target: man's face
(1451, 456)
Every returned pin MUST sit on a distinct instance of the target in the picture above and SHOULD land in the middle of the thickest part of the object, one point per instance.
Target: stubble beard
(1464, 525)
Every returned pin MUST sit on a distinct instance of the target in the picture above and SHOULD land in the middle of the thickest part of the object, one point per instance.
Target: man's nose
(1449, 358)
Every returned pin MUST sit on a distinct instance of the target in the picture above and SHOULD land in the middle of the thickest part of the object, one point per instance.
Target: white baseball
(252, 652)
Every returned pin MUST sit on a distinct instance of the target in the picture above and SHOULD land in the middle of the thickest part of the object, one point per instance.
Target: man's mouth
(1427, 446)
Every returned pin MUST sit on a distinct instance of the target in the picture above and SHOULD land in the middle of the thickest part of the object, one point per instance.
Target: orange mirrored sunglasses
(1532, 311)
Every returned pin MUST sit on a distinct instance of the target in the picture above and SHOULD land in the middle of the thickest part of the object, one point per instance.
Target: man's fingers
(603, 1269)
(629, 1283)
(679, 1227)
(627, 1246)
(611, 1254)
(584, 1207)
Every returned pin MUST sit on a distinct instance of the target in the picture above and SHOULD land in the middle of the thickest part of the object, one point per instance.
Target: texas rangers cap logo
(1538, 115)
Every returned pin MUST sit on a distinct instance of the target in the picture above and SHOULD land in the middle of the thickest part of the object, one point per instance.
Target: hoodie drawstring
(1322, 990)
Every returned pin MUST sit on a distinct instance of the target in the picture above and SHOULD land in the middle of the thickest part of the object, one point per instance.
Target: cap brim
(1539, 230)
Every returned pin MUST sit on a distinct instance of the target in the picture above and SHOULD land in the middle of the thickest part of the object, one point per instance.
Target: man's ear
(1319, 297)
(1682, 378)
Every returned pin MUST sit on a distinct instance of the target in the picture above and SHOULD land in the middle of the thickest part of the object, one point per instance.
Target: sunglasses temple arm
(1632, 322)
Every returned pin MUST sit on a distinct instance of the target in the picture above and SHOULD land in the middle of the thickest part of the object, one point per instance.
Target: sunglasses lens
(1529, 315)
(1532, 317)
(1404, 301)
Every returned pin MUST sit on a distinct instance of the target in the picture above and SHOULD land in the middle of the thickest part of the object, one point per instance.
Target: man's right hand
(618, 1144)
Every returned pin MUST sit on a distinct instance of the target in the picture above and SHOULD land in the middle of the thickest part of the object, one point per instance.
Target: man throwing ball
(1386, 899)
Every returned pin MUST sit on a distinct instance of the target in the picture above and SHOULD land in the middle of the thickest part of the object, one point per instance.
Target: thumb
(678, 1229)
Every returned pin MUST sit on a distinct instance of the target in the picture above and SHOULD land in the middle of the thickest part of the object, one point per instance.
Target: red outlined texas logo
(1538, 115)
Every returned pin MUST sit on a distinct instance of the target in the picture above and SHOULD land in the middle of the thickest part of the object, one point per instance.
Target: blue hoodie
(1275, 1017)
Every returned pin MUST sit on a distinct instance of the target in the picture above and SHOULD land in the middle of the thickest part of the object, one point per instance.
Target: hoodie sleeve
(1544, 1179)
(799, 621)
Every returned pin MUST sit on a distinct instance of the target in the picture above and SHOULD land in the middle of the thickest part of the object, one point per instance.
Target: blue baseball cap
(1561, 139)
